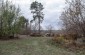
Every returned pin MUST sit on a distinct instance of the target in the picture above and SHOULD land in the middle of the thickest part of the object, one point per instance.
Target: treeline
(11, 20)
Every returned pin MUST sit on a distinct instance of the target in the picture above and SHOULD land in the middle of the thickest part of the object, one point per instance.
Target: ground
(33, 46)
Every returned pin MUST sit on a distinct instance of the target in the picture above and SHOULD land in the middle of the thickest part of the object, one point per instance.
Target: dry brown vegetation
(69, 41)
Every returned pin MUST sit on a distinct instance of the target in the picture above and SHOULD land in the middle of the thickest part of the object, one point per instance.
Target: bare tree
(50, 29)
(73, 17)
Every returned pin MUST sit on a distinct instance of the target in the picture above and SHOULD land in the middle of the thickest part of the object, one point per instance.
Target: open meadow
(33, 46)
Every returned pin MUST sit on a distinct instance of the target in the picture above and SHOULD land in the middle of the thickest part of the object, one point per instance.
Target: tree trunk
(30, 27)
(39, 26)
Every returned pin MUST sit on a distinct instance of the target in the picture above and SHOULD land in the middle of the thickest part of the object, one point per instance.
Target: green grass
(33, 46)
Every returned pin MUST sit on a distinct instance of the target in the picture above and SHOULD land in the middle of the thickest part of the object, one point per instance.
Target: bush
(71, 36)
(66, 40)
(59, 39)
(69, 41)
(35, 35)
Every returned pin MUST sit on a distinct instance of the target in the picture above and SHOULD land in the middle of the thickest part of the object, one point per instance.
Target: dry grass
(33, 46)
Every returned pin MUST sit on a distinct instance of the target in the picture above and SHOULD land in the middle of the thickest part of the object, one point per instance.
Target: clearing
(33, 46)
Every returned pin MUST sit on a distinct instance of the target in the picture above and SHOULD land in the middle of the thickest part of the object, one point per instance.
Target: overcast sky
(52, 11)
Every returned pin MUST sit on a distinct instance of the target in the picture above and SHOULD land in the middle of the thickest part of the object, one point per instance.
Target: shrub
(65, 39)
(71, 36)
(35, 35)
(59, 39)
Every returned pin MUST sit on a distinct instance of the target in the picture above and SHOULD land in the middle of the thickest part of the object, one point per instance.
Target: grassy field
(33, 46)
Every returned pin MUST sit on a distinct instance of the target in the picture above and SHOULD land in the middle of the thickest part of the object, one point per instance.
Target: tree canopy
(37, 13)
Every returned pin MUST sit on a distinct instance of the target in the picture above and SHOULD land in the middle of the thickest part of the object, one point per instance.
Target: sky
(52, 11)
